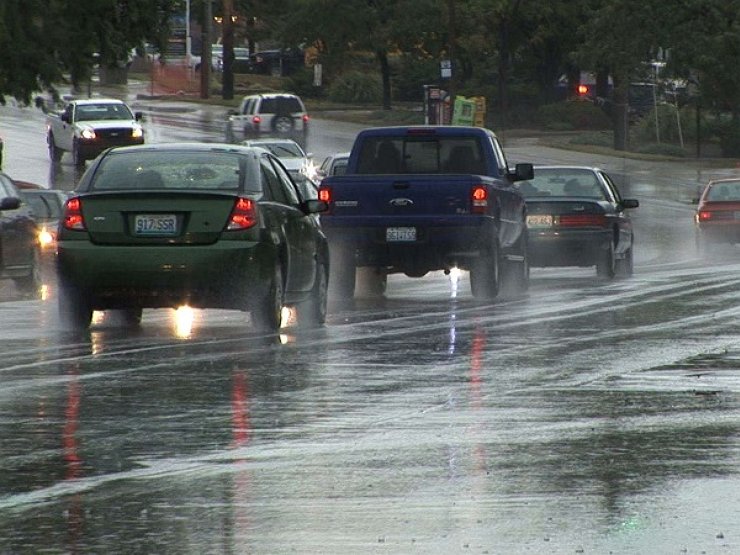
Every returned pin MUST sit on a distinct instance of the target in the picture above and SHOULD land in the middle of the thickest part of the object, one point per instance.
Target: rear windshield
(281, 105)
(282, 149)
(136, 170)
(423, 154)
(567, 182)
(724, 191)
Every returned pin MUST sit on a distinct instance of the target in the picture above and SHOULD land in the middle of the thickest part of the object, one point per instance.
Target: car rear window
(281, 105)
(724, 191)
(421, 154)
(557, 182)
(158, 169)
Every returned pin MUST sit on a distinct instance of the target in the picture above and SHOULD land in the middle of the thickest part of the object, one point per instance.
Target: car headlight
(87, 133)
(46, 238)
(137, 132)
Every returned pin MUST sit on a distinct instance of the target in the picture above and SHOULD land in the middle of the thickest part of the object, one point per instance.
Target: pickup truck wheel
(267, 314)
(371, 282)
(312, 313)
(606, 264)
(343, 274)
(485, 276)
(77, 159)
(55, 153)
(74, 308)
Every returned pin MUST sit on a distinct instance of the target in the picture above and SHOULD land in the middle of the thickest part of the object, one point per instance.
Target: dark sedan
(19, 258)
(46, 205)
(577, 217)
(202, 225)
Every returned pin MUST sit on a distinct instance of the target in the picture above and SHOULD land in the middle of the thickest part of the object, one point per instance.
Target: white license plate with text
(155, 224)
(400, 234)
(539, 220)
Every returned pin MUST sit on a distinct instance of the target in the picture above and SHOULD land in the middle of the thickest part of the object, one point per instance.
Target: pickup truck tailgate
(401, 195)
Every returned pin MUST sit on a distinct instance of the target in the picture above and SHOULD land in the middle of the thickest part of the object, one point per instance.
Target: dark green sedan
(203, 225)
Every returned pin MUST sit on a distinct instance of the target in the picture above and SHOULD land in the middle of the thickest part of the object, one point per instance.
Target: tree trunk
(385, 72)
(503, 70)
(621, 111)
(227, 85)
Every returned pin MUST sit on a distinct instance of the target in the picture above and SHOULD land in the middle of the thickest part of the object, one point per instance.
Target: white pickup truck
(87, 127)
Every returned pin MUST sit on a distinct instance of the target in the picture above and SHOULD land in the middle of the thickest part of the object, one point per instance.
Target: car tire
(312, 313)
(485, 274)
(343, 274)
(371, 282)
(77, 159)
(267, 314)
(132, 317)
(74, 308)
(55, 153)
(606, 264)
(30, 284)
(626, 265)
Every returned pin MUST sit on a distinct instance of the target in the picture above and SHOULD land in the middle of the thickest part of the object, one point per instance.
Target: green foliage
(356, 87)
(563, 116)
(595, 138)
(729, 137)
(667, 122)
(301, 83)
(410, 74)
(662, 149)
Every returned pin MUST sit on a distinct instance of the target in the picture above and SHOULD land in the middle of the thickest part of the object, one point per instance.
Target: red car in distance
(717, 217)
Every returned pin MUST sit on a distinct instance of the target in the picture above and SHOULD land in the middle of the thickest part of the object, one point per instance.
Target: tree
(44, 43)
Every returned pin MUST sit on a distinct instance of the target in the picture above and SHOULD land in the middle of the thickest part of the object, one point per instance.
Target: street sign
(445, 69)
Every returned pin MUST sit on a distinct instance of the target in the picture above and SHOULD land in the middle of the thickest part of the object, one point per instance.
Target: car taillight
(256, 120)
(243, 216)
(706, 215)
(325, 194)
(479, 199)
(73, 215)
(305, 118)
(582, 220)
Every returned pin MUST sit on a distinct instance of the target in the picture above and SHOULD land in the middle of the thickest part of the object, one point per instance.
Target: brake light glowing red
(325, 194)
(705, 215)
(305, 118)
(243, 216)
(256, 120)
(73, 215)
(479, 199)
(582, 220)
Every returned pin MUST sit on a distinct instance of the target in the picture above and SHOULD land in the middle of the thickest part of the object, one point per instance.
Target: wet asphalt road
(585, 417)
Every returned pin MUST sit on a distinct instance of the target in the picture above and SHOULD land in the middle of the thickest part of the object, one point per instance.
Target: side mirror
(139, 116)
(65, 117)
(315, 206)
(630, 203)
(13, 203)
(522, 172)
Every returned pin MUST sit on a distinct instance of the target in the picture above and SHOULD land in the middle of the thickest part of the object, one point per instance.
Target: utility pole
(227, 89)
(205, 53)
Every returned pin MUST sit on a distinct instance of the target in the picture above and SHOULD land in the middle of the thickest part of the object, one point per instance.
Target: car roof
(185, 146)
(723, 180)
(83, 101)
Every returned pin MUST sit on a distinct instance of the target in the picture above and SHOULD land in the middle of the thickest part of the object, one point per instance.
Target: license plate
(155, 224)
(539, 220)
(397, 234)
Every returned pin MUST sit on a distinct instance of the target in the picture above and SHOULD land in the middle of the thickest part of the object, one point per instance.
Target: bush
(596, 138)
(572, 115)
(663, 149)
(729, 138)
(410, 74)
(301, 83)
(356, 87)
(644, 129)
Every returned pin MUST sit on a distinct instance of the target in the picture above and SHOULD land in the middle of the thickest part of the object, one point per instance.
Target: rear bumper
(227, 274)
(437, 247)
(567, 248)
(725, 232)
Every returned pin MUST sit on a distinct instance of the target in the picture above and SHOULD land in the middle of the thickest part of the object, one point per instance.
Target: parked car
(46, 205)
(269, 115)
(276, 62)
(576, 216)
(207, 225)
(19, 254)
(294, 158)
(334, 164)
(717, 216)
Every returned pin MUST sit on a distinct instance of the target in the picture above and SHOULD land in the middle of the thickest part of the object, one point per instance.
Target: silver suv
(269, 115)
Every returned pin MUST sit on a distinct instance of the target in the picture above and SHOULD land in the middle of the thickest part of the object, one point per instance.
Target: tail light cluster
(243, 215)
(479, 199)
(582, 220)
(713, 215)
(325, 194)
(72, 218)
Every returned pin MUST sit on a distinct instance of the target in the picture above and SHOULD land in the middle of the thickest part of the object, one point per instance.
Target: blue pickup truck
(426, 198)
